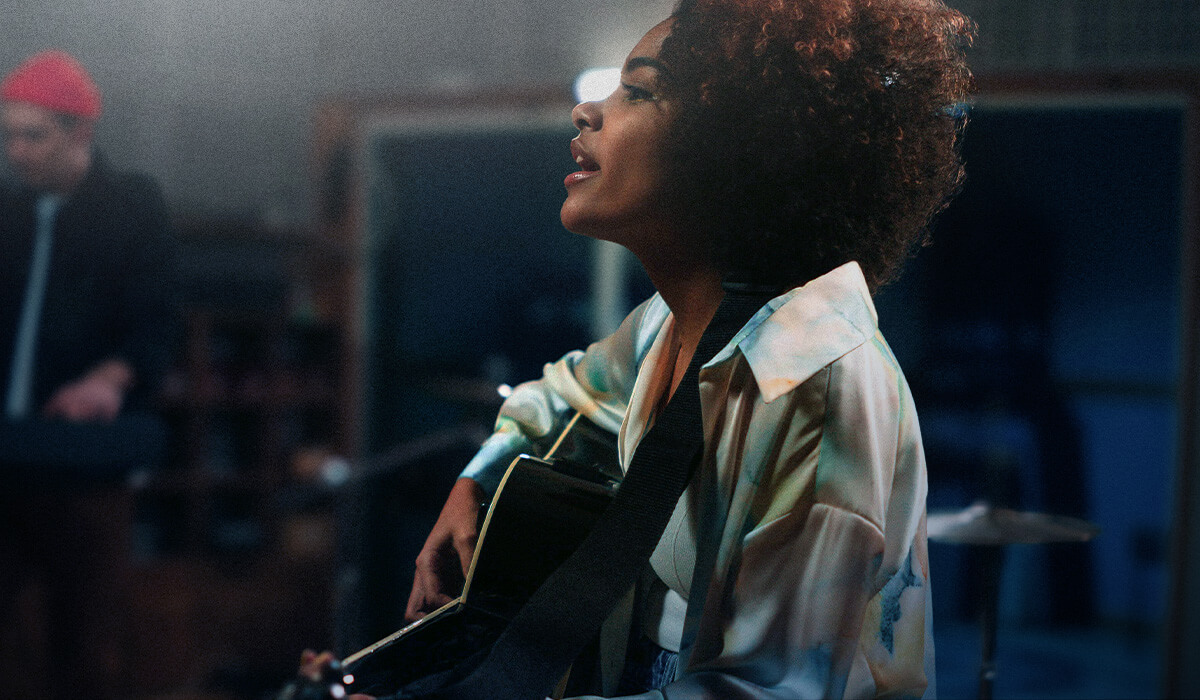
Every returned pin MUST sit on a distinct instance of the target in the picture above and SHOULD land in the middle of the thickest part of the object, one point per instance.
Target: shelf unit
(257, 390)
(235, 574)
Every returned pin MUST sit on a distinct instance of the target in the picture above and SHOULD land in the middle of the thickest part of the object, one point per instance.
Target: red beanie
(56, 81)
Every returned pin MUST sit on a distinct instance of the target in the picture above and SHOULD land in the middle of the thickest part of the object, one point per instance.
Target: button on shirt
(795, 564)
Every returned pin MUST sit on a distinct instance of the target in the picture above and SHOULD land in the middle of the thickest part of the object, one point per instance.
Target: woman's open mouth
(587, 166)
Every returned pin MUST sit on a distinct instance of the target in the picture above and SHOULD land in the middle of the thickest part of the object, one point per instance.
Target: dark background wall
(1047, 318)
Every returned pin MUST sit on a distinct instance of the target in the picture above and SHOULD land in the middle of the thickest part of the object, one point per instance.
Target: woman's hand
(441, 567)
(315, 670)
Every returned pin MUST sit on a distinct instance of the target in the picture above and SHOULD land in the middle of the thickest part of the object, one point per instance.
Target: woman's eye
(634, 93)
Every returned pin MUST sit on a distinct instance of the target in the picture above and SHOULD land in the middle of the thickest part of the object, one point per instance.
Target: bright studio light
(596, 83)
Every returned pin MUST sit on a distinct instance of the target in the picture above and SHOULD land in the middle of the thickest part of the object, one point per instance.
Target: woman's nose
(586, 115)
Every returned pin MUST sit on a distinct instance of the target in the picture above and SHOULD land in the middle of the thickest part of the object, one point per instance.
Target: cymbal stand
(993, 563)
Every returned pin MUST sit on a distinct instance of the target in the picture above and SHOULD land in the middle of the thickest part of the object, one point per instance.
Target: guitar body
(542, 510)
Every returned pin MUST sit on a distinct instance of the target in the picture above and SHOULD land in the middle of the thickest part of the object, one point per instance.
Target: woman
(807, 144)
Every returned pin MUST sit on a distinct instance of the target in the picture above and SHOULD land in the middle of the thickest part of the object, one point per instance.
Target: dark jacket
(109, 290)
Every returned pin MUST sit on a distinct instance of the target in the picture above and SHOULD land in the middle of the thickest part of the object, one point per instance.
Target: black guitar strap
(566, 612)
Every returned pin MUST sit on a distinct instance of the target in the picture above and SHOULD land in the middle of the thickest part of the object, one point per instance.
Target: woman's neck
(692, 289)
(693, 300)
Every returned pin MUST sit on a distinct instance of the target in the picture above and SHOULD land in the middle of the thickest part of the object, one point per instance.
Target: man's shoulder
(10, 191)
(105, 182)
(121, 208)
(132, 184)
(15, 200)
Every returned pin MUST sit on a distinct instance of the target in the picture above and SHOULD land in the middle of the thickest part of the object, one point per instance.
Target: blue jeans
(647, 667)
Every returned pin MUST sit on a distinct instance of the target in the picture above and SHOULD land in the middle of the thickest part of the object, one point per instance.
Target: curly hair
(817, 131)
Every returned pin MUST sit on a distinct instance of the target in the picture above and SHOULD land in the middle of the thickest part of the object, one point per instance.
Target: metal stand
(993, 563)
(990, 529)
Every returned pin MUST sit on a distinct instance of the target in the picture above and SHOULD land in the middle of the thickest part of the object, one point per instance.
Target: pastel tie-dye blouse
(805, 523)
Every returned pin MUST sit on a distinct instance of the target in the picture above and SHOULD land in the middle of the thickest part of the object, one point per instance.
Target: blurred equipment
(78, 454)
(66, 562)
(990, 528)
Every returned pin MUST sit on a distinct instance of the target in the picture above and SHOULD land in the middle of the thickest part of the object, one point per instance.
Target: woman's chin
(575, 222)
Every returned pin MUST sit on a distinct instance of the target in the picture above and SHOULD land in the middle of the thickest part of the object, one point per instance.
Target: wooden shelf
(234, 577)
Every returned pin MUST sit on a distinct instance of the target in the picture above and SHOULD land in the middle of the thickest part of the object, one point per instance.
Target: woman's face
(618, 191)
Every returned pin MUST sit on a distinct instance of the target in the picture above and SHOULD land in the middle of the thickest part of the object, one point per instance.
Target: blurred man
(85, 244)
(84, 309)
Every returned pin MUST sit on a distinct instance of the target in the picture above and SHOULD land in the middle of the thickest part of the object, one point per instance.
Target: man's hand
(98, 396)
(441, 567)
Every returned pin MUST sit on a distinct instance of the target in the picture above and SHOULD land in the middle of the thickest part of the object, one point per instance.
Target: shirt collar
(796, 334)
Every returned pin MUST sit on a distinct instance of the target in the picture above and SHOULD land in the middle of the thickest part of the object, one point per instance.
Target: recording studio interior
(363, 203)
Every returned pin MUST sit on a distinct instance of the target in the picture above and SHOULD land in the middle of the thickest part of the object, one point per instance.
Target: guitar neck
(398, 634)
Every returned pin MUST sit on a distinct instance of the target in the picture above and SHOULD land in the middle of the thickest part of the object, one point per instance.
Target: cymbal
(983, 524)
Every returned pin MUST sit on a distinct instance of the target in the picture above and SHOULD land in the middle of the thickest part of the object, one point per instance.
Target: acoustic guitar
(542, 510)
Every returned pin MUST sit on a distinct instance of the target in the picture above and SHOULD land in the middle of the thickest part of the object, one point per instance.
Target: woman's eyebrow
(647, 62)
